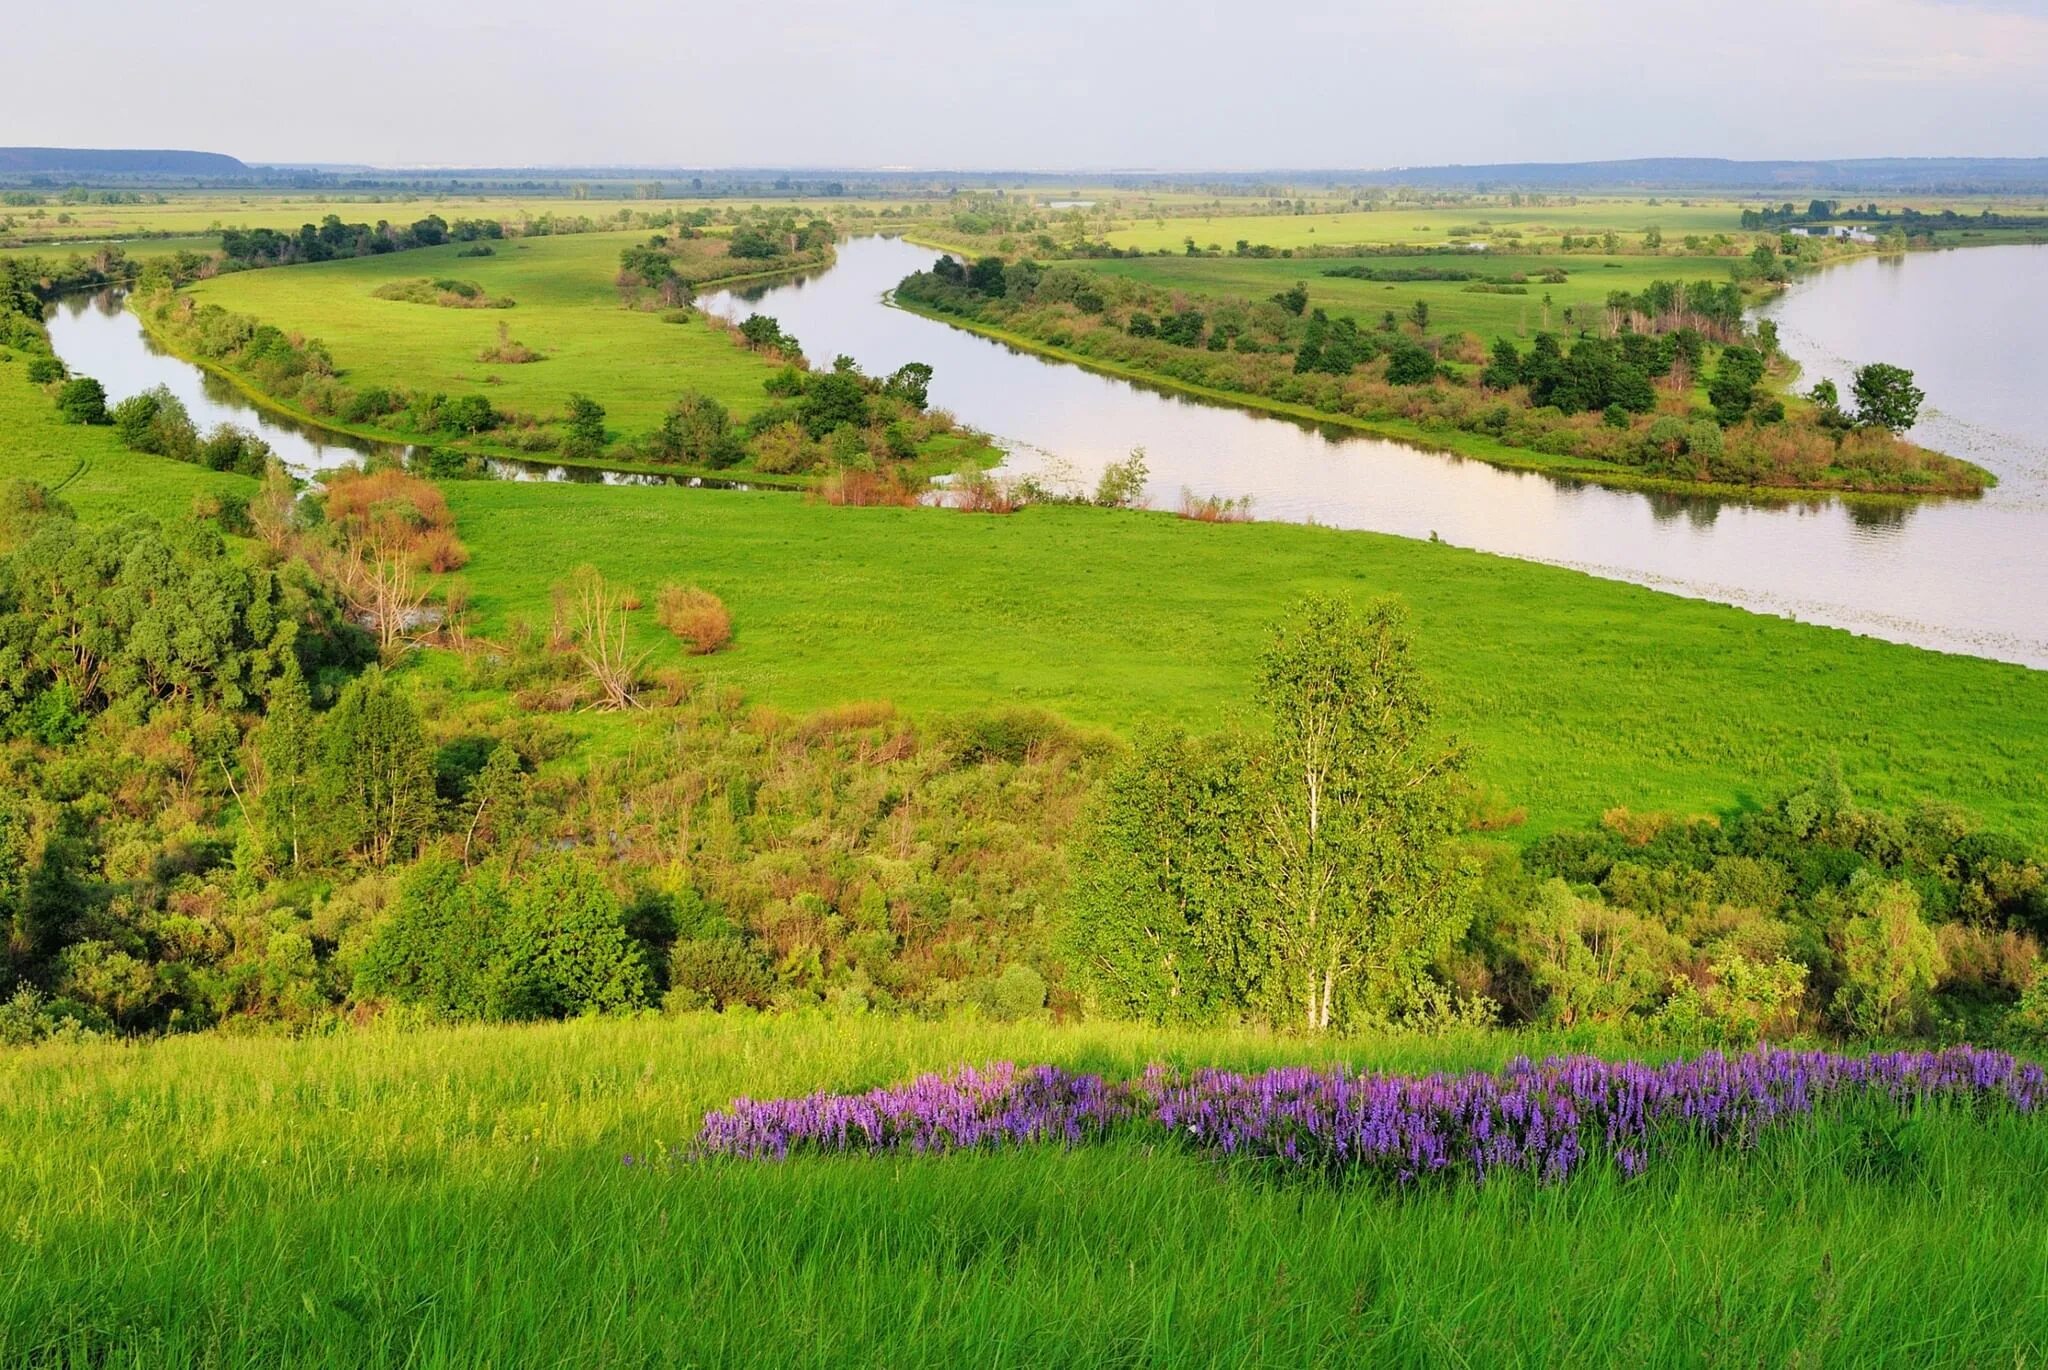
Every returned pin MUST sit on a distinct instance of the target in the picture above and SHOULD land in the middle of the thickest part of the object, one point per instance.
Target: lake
(1956, 575)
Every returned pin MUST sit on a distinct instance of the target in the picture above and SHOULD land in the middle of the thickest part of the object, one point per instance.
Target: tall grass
(464, 1197)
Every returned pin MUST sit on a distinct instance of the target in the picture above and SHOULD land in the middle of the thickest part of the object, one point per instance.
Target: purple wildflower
(1548, 1119)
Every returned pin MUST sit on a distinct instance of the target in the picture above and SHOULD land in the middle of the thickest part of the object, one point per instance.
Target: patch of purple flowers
(1547, 1119)
(1001, 1105)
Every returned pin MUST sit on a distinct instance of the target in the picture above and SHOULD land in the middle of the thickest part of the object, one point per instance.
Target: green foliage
(1890, 962)
(1154, 913)
(549, 943)
(83, 400)
(697, 431)
(374, 773)
(140, 616)
(1409, 364)
(1887, 398)
(1306, 875)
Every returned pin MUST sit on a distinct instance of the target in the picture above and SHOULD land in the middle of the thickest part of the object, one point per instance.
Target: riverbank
(1448, 442)
(636, 363)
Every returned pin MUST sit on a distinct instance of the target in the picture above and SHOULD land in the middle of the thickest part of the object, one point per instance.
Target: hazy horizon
(1058, 87)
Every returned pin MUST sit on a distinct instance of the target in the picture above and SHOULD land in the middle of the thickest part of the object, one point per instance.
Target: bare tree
(593, 614)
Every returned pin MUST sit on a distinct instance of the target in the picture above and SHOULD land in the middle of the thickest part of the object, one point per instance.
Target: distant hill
(1924, 174)
(100, 161)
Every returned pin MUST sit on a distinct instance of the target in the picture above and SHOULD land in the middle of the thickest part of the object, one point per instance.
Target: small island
(1666, 385)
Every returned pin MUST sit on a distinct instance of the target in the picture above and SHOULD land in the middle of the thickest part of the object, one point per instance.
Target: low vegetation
(1623, 401)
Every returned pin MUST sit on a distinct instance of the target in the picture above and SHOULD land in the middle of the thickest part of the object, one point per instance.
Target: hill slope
(100, 161)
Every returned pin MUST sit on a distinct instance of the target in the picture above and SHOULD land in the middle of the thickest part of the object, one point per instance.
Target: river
(97, 336)
(1956, 575)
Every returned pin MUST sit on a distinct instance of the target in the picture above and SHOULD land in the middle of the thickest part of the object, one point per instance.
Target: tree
(1355, 817)
(83, 400)
(1890, 961)
(1418, 314)
(1408, 364)
(376, 772)
(1294, 299)
(594, 616)
(288, 746)
(1504, 368)
(1887, 398)
(1156, 914)
(911, 383)
(586, 420)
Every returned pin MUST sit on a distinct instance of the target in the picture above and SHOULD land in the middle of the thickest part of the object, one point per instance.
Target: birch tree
(1356, 817)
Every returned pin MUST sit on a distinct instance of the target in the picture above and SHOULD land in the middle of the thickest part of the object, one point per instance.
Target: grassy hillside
(1581, 693)
(566, 307)
(501, 1196)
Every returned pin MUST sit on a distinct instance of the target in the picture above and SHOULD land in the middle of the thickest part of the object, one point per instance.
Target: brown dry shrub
(696, 616)
(869, 489)
(1214, 508)
(438, 550)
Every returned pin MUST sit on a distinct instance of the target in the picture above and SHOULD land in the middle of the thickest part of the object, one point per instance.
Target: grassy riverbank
(1431, 438)
(566, 308)
(1580, 693)
(464, 1197)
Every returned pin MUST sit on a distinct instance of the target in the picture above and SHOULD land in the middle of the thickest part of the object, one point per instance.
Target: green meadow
(89, 467)
(566, 307)
(1452, 306)
(1580, 693)
(1422, 226)
(210, 212)
(512, 1196)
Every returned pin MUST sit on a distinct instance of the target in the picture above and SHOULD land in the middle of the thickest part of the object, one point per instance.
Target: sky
(1043, 85)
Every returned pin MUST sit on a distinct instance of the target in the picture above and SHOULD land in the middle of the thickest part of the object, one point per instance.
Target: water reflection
(97, 336)
(1960, 575)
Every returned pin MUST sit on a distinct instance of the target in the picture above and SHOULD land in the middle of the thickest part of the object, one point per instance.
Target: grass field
(1432, 225)
(89, 467)
(138, 249)
(462, 1197)
(1452, 307)
(566, 307)
(1580, 693)
(210, 212)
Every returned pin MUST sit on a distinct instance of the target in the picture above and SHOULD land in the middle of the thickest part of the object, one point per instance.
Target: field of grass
(566, 307)
(1452, 307)
(1432, 225)
(210, 212)
(138, 249)
(89, 467)
(464, 1197)
(1580, 693)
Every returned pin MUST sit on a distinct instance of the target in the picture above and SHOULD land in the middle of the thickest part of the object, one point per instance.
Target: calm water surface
(1959, 575)
(97, 337)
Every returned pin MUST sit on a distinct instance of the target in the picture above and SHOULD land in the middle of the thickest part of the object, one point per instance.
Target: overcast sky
(1052, 84)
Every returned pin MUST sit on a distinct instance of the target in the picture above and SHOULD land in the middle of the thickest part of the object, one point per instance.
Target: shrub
(696, 616)
(42, 370)
(83, 400)
(1890, 961)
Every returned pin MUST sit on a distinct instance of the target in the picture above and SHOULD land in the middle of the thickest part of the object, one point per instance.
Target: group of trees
(1305, 873)
(332, 239)
(1620, 394)
(1317, 872)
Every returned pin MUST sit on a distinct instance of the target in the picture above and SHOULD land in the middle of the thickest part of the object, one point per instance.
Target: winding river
(1956, 575)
